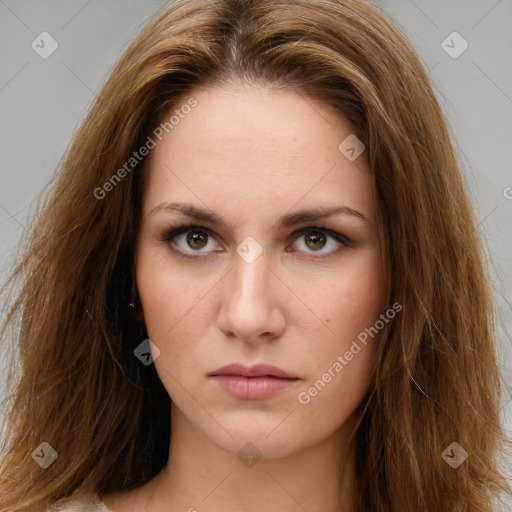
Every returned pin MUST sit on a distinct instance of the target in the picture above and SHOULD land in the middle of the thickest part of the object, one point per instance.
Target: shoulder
(90, 503)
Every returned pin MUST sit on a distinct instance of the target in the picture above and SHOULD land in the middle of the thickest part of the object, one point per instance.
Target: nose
(252, 302)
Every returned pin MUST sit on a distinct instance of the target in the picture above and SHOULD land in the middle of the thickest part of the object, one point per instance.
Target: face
(229, 272)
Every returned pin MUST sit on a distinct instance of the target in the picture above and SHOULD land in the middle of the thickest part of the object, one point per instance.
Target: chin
(269, 437)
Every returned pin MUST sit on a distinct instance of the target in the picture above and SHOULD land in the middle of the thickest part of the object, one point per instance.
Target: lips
(258, 370)
(253, 383)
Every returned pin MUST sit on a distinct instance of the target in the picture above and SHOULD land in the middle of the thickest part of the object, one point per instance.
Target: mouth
(253, 383)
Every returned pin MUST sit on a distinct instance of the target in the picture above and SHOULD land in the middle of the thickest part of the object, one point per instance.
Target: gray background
(43, 101)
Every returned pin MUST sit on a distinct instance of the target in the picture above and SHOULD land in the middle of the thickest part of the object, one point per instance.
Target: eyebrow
(286, 221)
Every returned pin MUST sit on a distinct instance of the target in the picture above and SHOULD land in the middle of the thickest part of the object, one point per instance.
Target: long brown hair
(74, 382)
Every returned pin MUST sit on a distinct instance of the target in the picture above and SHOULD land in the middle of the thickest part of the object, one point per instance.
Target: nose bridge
(250, 308)
(251, 273)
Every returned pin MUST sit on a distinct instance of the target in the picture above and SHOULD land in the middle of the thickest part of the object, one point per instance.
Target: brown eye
(321, 242)
(189, 240)
(315, 240)
(197, 239)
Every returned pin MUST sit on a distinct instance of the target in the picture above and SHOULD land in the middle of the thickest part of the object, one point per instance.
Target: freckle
(327, 320)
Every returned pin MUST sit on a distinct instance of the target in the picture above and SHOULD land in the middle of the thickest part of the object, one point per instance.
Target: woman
(257, 282)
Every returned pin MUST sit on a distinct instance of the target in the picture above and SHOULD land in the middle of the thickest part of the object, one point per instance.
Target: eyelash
(168, 236)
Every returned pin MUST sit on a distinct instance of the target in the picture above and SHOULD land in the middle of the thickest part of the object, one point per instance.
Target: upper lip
(257, 370)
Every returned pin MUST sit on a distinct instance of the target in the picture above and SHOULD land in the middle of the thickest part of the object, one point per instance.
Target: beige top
(93, 504)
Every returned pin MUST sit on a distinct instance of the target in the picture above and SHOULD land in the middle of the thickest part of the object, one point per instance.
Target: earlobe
(134, 303)
(136, 308)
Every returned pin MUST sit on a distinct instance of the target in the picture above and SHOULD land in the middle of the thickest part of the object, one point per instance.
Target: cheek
(174, 304)
(165, 306)
(341, 366)
(353, 298)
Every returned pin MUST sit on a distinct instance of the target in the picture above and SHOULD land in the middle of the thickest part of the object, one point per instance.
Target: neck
(201, 476)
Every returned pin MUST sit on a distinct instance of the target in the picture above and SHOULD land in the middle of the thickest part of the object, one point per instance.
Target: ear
(136, 308)
(135, 303)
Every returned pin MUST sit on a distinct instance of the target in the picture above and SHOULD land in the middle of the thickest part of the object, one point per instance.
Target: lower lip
(252, 388)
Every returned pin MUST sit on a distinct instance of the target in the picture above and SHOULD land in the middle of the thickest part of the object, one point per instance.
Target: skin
(252, 155)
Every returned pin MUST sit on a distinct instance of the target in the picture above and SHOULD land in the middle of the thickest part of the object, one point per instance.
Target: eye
(186, 238)
(314, 240)
(193, 239)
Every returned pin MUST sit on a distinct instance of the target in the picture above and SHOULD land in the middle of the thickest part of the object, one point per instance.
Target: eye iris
(195, 237)
(317, 238)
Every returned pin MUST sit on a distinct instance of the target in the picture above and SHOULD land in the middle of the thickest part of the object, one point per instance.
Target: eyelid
(168, 235)
(334, 234)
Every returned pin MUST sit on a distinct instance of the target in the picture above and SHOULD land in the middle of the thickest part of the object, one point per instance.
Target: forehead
(254, 147)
